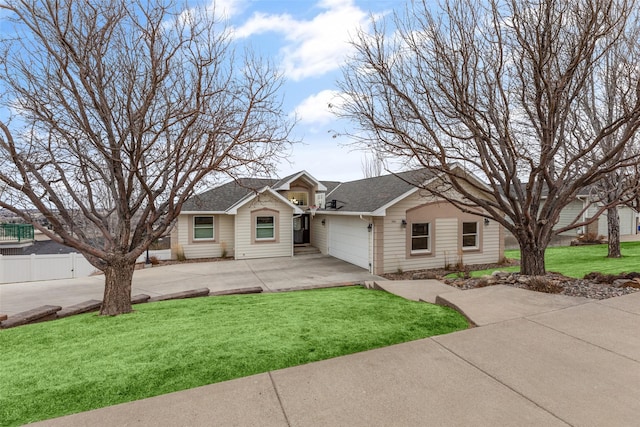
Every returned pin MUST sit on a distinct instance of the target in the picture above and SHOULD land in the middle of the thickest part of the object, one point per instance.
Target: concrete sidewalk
(270, 274)
(543, 361)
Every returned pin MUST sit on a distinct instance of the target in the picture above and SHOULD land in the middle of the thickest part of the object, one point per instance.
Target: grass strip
(577, 261)
(86, 362)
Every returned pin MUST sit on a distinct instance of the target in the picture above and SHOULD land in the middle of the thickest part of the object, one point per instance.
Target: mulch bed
(594, 285)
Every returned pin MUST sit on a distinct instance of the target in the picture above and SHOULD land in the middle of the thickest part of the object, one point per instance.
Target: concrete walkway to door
(270, 273)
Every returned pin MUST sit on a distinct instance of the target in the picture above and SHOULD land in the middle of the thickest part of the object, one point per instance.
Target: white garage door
(349, 240)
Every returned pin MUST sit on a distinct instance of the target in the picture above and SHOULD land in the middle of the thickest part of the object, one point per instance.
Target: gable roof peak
(285, 183)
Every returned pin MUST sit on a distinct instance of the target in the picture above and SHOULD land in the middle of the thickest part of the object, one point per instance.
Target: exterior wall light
(404, 223)
(370, 227)
(486, 221)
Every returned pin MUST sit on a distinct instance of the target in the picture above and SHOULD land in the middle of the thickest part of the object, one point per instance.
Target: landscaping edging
(50, 312)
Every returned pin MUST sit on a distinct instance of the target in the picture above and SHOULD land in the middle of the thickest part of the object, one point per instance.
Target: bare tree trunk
(117, 288)
(532, 260)
(613, 226)
(115, 160)
(445, 101)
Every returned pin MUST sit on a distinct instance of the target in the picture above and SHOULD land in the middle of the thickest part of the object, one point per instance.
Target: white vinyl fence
(30, 268)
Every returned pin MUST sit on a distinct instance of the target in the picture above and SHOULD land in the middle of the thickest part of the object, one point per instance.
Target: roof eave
(287, 184)
(233, 210)
(382, 210)
(203, 212)
(347, 213)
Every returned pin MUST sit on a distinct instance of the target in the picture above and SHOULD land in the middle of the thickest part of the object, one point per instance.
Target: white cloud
(313, 47)
(315, 108)
(324, 160)
(227, 8)
(217, 9)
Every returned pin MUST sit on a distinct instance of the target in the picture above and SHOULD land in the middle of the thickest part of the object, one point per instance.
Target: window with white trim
(265, 228)
(469, 235)
(203, 228)
(420, 238)
(299, 198)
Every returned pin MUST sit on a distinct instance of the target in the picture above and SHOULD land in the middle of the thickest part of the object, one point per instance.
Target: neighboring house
(14, 238)
(383, 224)
(584, 209)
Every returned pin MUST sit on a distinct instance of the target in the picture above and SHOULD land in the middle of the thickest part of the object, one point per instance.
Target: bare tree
(618, 188)
(372, 166)
(119, 110)
(496, 88)
(603, 101)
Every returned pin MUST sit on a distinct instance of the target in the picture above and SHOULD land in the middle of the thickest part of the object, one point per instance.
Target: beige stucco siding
(318, 233)
(246, 244)
(224, 237)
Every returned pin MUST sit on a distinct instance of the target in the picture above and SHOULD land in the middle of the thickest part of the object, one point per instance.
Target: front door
(301, 227)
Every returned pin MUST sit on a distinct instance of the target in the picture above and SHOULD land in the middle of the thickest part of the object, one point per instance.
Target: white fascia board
(337, 186)
(287, 185)
(347, 213)
(247, 198)
(296, 209)
(473, 176)
(382, 210)
(203, 213)
(234, 209)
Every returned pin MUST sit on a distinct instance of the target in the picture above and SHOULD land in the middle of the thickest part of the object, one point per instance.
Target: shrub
(600, 278)
(542, 284)
(179, 251)
(590, 238)
(223, 247)
(610, 278)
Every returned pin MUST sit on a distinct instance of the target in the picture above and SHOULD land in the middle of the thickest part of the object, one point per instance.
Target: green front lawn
(86, 362)
(576, 261)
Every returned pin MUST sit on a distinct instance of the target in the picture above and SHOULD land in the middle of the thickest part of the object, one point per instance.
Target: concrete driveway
(270, 274)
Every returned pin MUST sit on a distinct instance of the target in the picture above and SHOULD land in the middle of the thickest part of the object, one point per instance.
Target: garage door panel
(627, 221)
(349, 240)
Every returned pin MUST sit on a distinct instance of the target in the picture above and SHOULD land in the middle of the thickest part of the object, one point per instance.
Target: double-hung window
(203, 228)
(469, 235)
(265, 228)
(420, 238)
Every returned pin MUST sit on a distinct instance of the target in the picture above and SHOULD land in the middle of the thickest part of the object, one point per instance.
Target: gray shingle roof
(331, 185)
(221, 198)
(583, 191)
(364, 195)
(281, 181)
(369, 194)
(47, 247)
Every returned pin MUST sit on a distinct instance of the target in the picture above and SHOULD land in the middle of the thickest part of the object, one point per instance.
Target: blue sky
(308, 40)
